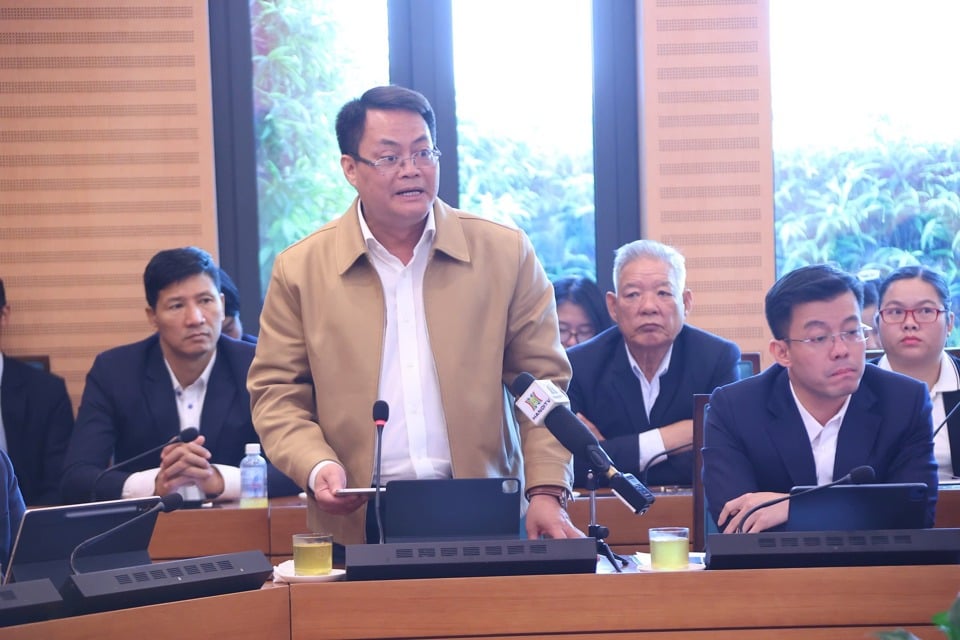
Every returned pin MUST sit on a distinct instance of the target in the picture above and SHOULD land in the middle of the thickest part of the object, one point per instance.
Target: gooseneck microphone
(381, 413)
(187, 435)
(858, 475)
(663, 454)
(545, 404)
(947, 417)
(167, 503)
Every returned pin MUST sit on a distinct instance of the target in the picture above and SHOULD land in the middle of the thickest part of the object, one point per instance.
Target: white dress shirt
(823, 437)
(949, 380)
(415, 440)
(189, 409)
(650, 441)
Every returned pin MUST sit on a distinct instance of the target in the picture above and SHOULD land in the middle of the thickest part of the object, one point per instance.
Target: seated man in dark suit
(816, 414)
(140, 395)
(633, 384)
(11, 509)
(36, 418)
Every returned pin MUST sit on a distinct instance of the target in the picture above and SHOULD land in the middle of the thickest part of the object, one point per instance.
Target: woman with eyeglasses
(914, 320)
(580, 308)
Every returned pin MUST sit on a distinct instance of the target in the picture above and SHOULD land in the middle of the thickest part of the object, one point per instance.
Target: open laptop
(454, 509)
(48, 535)
(858, 507)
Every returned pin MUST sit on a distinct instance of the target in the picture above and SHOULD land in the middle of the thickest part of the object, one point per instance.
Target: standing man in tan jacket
(429, 308)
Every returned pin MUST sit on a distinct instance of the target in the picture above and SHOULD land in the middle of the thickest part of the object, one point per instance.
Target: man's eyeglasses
(853, 336)
(922, 315)
(581, 333)
(390, 164)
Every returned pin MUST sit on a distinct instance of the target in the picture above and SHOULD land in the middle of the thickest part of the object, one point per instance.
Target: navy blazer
(606, 391)
(11, 508)
(37, 420)
(129, 406)
(754, 438)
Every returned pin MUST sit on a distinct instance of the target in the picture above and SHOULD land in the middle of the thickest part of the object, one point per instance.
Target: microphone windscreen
(381, 411)
(189, 434)
(862, 475)
(171, 502)
(521, 383)
(570, 430)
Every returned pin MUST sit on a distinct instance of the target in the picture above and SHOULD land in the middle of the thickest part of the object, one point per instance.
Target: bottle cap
(252, 449)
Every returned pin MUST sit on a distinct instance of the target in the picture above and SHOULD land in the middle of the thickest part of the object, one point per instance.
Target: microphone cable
(663, 454)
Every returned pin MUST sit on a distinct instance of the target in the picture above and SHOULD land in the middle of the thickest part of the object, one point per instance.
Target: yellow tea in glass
(312, 554)
(669, 548)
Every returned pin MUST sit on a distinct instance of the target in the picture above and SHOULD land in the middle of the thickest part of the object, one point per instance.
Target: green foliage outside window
(893, 205)
(299, 67)
(548, 195)
(301, 77)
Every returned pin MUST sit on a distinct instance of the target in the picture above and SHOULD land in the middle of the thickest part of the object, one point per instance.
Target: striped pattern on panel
(106, 156)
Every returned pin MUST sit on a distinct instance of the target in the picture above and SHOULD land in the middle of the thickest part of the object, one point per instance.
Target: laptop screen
(858, 507)
(48, 535)
(454, 509)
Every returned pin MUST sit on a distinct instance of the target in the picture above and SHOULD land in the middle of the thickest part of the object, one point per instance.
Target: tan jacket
(490, 313)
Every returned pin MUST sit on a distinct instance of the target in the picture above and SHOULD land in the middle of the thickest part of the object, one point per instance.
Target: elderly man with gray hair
(633, 384)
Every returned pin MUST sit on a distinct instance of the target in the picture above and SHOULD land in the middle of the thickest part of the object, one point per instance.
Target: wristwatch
(560, 493)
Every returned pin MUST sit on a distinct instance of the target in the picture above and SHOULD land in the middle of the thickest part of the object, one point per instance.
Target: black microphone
(947, 417)
(169, 502)
(545, 404)
(858, 475)
(187, 435)
(381, 412)
(662, 454)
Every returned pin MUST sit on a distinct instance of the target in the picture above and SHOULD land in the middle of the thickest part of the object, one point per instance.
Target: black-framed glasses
(922, 315)
(581, 333)
(853, 336)
(389, 164)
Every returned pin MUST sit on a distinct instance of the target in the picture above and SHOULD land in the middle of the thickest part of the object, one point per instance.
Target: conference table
(809, 603)
(226, 528)
(792, 604)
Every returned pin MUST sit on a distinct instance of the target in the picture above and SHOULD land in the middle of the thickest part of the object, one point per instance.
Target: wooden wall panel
(707, 159)
(106, 156)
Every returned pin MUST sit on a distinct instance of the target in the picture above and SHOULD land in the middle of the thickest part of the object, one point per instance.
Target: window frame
(421, 58)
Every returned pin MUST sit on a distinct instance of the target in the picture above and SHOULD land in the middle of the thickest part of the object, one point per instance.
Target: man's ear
(780, 352)
(611, 299)
(687, 302)
(151, 316)
(349, 166)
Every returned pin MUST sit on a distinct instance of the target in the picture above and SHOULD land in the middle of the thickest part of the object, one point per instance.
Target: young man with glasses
(408, 300)
(816, 414)
(914, 322)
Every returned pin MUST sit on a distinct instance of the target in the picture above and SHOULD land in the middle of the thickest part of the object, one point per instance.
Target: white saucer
(283, 572)
(643, 563)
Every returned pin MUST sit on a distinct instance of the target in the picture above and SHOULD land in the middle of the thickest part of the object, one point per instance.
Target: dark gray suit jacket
(128, 407)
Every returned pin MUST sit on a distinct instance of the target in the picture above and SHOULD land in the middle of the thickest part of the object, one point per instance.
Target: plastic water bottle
(253, 478)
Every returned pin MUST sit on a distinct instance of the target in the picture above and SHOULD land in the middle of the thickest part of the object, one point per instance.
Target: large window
(524, 116)
(866, 136)
(308, 60)
(527, 128)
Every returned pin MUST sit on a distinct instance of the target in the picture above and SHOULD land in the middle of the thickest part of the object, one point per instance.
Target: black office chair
(749, 364)
(38, 362)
